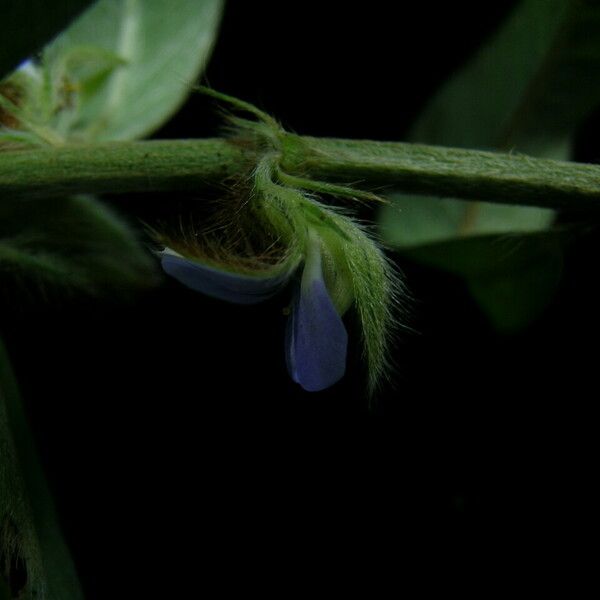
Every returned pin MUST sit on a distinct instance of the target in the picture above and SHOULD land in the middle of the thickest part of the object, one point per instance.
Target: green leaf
(423, 220)
(29, 532)
(527, 89)
(508, 77)
(29, 24)
(119, 71)
(500, 268)
(65, 245)
(164, 46)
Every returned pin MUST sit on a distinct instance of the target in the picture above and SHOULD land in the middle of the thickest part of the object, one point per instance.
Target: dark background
(181, 454)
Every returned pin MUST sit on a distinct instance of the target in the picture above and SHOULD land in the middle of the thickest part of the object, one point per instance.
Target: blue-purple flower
(316, 339)
(274, 230)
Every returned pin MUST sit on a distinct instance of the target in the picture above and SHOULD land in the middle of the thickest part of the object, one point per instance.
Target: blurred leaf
(117, 73)
(130, 64)
(413, 221)
(29, 533)
(499, 270)
(29, 24)
(69, 245)
(510, 77)
(514, 297)
(528, 89)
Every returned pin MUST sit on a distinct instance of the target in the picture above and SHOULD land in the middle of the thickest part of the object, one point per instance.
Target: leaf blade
(26, 503)
(473, 108)
(512, 277)
(73, 244)
(164, 46)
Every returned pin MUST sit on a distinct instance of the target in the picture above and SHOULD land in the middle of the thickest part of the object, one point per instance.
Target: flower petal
(316, 339)
(224, 285)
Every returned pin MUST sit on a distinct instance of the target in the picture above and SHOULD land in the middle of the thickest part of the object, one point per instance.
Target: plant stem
(191, 165)
(446, 172)
(118, 167)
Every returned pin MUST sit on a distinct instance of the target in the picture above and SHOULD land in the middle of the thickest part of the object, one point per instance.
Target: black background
(180, 453)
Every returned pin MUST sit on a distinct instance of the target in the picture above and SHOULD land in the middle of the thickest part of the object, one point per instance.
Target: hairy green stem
(194, 164)
(120, 167)
(446, 172)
